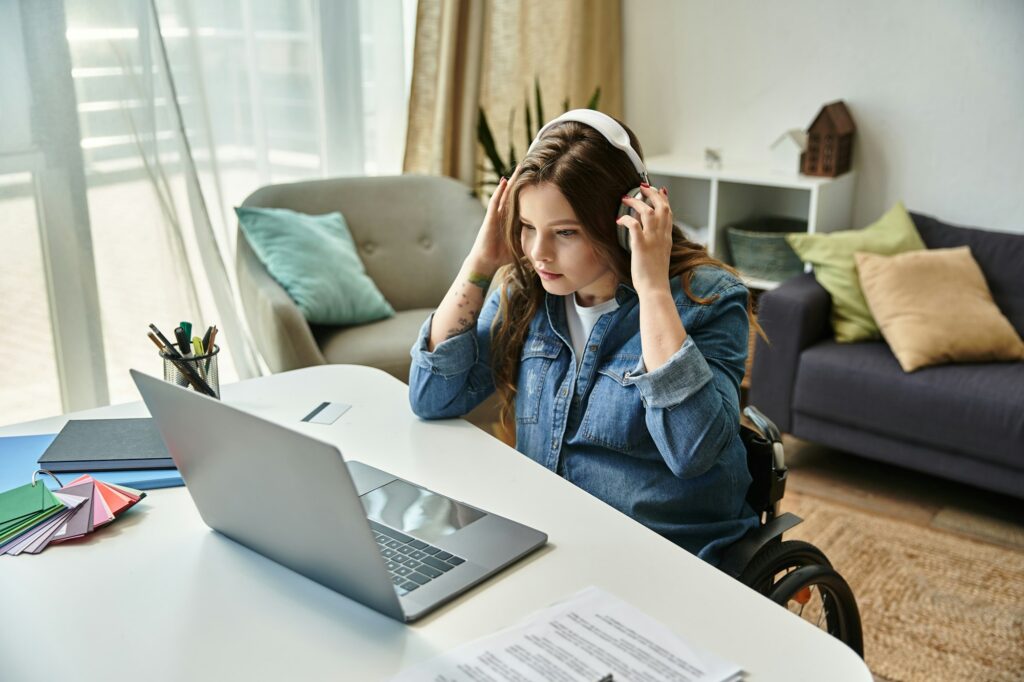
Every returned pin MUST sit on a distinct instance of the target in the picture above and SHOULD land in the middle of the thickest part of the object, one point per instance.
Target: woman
(622, 368)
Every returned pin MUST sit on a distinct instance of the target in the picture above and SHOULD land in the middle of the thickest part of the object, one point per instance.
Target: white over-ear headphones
(619, 138)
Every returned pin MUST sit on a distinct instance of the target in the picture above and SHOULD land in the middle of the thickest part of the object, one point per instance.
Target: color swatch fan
(32, 516)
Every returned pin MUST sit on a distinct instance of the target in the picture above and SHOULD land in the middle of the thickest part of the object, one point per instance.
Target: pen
(187, 326)
(206, 339)
(197, 347)
(182, 337)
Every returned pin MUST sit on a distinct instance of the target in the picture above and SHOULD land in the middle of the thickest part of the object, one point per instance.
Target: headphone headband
(604, 124)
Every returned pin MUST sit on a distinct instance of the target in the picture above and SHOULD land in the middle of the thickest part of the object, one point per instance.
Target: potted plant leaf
(503, 166)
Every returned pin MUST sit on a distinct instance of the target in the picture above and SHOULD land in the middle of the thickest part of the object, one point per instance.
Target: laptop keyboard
(411, 562)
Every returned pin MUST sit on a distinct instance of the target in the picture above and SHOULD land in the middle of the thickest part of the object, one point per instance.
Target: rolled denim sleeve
(456, 376)
(685, 373)
(452, 356)
(692, 400)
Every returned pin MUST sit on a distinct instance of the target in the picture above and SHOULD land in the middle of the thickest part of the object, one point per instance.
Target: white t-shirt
(582, 320)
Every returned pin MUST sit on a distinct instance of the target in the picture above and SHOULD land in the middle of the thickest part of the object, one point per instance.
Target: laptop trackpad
(417, 511)
(367, 478)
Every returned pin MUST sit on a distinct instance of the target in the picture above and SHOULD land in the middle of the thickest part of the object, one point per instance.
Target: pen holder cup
(203, 366)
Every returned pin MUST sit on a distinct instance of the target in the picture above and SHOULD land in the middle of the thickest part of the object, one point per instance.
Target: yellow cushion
(832, 257)
(934, 307)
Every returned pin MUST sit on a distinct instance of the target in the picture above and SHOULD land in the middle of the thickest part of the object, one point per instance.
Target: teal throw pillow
(313, 257)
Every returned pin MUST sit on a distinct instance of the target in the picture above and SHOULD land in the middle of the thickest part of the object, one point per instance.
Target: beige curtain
(472, 53)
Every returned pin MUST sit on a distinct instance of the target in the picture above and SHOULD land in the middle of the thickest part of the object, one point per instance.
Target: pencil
(152, 337)
(210, 347)
(206, 339)
(163, 339)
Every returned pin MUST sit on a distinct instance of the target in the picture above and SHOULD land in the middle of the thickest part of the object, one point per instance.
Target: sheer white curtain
(128, 130)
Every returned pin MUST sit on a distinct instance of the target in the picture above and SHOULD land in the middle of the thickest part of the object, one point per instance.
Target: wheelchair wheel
(821, 596)
(776, 560)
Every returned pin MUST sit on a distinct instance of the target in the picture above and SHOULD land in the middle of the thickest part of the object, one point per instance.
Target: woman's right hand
(490, 251)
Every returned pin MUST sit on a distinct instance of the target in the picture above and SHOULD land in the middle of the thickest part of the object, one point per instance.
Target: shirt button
(592, 348)
(565, 392)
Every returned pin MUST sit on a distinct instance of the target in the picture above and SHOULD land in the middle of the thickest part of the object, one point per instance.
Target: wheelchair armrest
(739, 555)
(765, 425)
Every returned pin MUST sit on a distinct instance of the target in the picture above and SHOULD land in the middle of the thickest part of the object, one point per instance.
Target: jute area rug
(935, 605)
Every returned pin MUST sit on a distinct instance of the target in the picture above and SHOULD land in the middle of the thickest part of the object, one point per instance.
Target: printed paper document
(590, 637)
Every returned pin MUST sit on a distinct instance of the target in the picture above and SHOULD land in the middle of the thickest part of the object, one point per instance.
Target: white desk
(157, 595)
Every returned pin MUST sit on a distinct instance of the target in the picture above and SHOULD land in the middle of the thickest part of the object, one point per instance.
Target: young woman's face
(563, 256)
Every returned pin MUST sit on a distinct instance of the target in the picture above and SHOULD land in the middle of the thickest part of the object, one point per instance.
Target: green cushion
(834, 267)
(313, 257)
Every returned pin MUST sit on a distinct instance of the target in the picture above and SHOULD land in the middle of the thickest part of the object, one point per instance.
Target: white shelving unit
(718, 198)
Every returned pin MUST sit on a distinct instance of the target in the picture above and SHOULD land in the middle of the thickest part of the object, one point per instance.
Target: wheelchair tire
(780, 557)
(842, 618)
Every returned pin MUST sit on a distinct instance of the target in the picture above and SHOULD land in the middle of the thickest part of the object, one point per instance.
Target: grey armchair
(412, 232)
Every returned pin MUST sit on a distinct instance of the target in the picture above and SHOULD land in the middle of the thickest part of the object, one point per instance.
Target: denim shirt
(662, 447)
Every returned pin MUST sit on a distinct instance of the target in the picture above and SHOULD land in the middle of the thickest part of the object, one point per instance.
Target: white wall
(936, 89)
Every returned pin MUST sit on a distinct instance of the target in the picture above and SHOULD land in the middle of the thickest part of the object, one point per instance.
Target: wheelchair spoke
(809, 604)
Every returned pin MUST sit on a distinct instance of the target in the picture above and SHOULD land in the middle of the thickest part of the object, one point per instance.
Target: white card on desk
(589, 637)
(326, 413)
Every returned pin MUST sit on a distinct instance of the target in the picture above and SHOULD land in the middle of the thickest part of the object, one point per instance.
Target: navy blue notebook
(107, 445)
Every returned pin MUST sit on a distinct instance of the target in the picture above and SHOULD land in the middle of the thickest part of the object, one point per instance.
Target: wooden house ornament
(829, 142)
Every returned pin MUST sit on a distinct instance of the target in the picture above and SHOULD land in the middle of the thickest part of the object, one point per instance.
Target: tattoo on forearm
(467, 320)
(482, 281)
(465, 324)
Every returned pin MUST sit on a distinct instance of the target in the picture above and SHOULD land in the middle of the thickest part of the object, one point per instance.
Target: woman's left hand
(650, 237)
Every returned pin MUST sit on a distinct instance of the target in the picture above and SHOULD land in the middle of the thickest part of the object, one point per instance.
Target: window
(95, 208)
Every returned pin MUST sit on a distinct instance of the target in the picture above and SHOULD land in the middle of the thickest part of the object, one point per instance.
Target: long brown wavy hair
(593, 175)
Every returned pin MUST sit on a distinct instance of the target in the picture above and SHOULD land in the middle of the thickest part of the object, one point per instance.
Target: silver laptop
(385, 542)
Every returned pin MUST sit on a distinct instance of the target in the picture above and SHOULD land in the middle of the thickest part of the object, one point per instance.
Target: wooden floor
(904, 494)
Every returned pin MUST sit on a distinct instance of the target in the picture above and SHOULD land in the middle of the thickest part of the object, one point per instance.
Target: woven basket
(759, 249)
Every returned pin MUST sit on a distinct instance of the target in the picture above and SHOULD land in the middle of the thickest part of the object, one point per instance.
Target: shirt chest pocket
(615, 416)
(539, 354)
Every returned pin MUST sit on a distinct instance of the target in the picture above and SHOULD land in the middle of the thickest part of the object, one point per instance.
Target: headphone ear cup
(623, 232)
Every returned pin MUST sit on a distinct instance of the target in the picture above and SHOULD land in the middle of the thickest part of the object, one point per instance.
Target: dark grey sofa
(962, 421)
